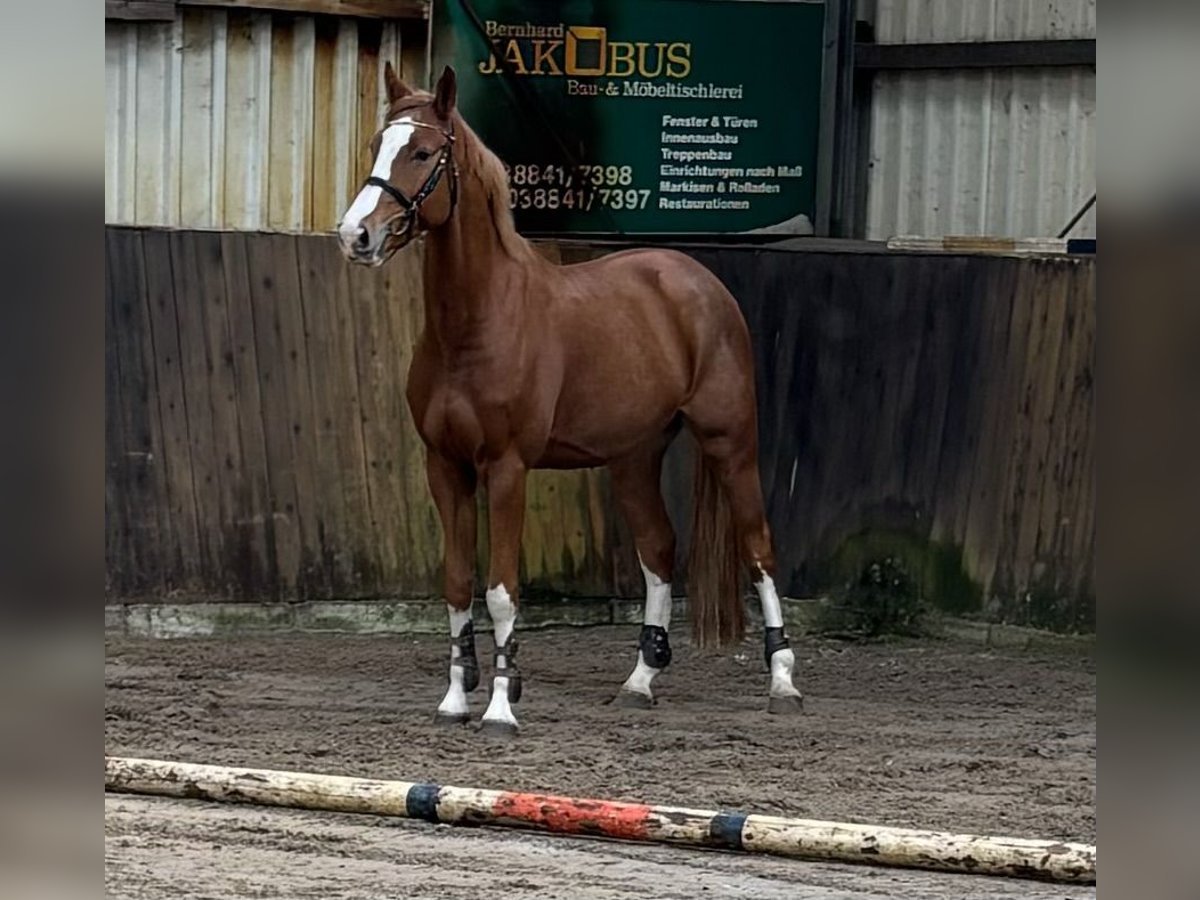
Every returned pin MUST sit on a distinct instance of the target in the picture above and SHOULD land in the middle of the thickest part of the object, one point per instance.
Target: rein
(409, 207)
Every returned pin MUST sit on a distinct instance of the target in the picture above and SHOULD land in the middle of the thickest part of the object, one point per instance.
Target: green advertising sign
(644, 116)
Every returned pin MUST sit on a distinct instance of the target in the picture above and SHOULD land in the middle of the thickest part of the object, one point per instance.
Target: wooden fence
(258, 445)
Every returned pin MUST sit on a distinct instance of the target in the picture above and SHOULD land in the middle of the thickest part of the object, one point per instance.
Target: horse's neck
(468, 273)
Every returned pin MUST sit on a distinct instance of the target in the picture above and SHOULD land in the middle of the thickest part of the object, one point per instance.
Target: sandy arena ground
(924, 734)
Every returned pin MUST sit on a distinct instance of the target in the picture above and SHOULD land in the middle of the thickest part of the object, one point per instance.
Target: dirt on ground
(926, 734)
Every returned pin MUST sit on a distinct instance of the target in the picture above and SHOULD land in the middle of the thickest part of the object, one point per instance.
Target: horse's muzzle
(367, 247)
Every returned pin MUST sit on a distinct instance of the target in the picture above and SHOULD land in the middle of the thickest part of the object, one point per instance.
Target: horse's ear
(395, 87)
(445, 95)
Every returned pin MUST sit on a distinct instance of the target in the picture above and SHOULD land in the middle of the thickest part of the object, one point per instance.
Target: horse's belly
(564, 455)
(589, 433)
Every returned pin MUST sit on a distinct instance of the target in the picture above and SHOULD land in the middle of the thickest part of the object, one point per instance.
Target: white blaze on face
(394, 139)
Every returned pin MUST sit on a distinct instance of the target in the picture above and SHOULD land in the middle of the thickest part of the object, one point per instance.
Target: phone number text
(552, 175)
(578, 198)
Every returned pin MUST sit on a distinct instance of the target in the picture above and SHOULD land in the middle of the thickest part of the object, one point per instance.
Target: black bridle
(409, 207)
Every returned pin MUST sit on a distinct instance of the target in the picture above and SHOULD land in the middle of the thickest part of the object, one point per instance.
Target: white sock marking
(767, 595)
(658, 599)
(455, 701)
(658, 612)
(782, 661)
(394, 139)
(504, 614)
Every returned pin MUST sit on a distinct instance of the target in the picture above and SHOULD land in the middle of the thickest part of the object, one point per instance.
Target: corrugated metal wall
(244, 120)
(999, 152)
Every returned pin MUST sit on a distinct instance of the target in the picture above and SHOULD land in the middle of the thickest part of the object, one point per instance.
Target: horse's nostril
(363, 239)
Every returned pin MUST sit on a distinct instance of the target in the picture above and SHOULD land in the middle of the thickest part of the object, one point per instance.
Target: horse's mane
(488, 170)
(486, 166)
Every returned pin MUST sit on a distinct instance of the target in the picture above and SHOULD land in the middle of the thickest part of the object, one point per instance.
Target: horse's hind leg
(724, 420)
(740, 478)
(636, 483)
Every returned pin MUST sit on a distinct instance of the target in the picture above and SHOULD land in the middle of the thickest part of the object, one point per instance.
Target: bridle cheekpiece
(409, 207)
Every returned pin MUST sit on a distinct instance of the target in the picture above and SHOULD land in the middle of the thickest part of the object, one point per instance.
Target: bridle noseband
(409, 207)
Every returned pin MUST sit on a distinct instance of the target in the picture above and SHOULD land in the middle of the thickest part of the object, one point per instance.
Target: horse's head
(413, 184)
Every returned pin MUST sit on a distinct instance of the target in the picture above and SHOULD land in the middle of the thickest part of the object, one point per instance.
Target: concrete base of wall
(398, 617)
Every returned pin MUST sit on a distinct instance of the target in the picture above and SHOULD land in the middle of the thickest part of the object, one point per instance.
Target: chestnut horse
(524, 364)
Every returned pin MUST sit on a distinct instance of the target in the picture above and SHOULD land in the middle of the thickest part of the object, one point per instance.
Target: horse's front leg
(505, 482)
(453, 489)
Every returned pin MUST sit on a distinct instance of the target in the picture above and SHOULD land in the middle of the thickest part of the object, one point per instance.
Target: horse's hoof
(451, 720)
(790, 705)
(498, 729)
(633, 700)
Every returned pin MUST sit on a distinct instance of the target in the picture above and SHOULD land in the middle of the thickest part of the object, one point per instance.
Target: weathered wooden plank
(118, 550)
(978, 342)
(1057, 478)
(289, 146)
(1039, 425)
(143, 453)
(411, 33)
(943, 318)
(286, 404)
(255, 522)
(333, 389)
(196, 272)
(401, 458)
(114, 493)
(535, 566)
(201, 92)
(348, 428)
(900, 341)
(184, 569)
(326, 132)
(377, 404)
(242, 563)
(371, 98)
(1063, 525)
(247, 96)
(369, 9)
(156, 165)
(570, 551)
(999, 381)
(140, 10)
(596, 486)
(847, 393)
(1079, 542)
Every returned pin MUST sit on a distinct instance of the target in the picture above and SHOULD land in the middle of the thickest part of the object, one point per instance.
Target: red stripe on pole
(569, 816)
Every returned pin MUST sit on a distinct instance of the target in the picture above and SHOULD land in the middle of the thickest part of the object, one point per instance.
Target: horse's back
(667, 295)
(659, 267)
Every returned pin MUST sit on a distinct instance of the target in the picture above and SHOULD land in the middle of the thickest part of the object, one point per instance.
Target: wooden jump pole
(802, 838)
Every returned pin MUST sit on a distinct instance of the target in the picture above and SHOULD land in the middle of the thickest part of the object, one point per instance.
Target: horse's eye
(422, 155)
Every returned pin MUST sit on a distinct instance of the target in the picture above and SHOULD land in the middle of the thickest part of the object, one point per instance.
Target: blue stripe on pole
(725, 829)
(421, 802)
